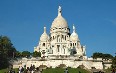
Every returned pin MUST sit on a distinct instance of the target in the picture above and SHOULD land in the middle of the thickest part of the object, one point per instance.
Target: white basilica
(60, 42)
(61, 47)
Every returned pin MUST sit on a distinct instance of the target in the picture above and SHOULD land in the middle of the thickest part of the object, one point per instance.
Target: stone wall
(106, 66)
(68, 63)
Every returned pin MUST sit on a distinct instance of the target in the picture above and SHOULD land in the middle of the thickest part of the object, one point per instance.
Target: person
(10, 71)
(100, 72)
(28, 71)
(25, 70)
(13, 71)
(79, 72)
(30, 68)
(113, 70)
(37, 70)
(66, 71)
(32, 71)
(33, 67)
(22, 69)
(19, 69)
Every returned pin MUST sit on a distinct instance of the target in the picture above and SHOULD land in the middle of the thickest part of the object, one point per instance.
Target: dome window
(43, 44)
(62, 36)
(70, 44)
(52, 45)
(53, 37)
(65, 37)
(73, 44)
(59, 28)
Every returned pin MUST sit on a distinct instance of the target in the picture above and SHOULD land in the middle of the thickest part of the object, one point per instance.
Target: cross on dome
(59, 11)
(59, 21)
(73, 28)
(44, 29)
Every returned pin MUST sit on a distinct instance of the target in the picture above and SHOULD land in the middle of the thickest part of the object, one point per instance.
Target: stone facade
(60, 42)
(55, 63)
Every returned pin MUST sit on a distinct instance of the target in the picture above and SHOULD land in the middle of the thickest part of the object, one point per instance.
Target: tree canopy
(18, 54)
(102, 55)
(36, 54)
(26, 54)
(7, 51)
(114, 62)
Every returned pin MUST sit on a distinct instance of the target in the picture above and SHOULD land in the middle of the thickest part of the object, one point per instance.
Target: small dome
(59, 21)
(74, 35)
(44, 36)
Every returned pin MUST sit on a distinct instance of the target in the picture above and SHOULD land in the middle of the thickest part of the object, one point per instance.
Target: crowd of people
(30, 69)
(33, 69)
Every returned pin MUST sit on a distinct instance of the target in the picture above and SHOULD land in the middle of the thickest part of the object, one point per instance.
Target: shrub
(62, 66)
(43, 66)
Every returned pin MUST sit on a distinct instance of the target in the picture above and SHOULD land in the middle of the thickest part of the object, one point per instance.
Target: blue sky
(95, 20)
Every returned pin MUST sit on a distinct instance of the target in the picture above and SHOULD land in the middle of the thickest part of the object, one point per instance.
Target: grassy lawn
(61, 70)
(6, 70)
(54, 70)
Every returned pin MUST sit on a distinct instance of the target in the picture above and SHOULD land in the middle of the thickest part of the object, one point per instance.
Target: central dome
(59, 21)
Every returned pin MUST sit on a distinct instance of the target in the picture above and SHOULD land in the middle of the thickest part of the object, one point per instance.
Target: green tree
(3, 61)
(18, 54)
(97, 55)
(107, 56)
(26, 54)
(7, 51)
(114, 62)
(36, 54)
(6, 46)
(102, 55)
